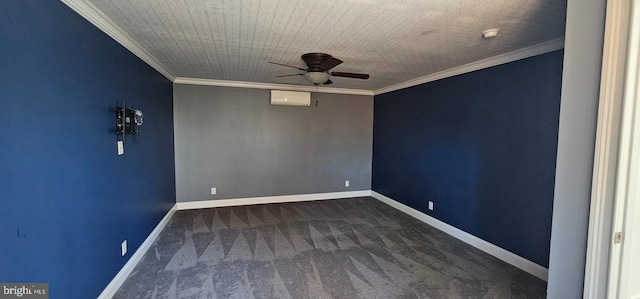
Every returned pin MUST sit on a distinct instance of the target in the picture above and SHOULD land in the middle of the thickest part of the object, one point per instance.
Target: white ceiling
(394, 41)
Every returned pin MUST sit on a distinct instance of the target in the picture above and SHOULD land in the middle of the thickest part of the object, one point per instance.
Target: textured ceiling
(394, 41)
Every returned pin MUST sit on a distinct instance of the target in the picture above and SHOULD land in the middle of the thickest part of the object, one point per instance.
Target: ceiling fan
(318, 66)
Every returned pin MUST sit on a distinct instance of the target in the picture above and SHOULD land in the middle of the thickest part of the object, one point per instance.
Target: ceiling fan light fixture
(490, 33)
(316, 77)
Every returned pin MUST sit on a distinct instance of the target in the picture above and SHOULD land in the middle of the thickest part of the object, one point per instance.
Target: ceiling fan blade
(289, 75)
(350, 75)
(295, 67)
(328, 82)
(330, 63)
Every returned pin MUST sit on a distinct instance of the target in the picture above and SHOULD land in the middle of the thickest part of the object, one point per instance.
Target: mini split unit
(290, 98)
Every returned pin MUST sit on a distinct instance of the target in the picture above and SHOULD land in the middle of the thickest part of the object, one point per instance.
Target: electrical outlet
(124, 247)
(120, 147)
(431, 205)
(346, 183)
(213, 191)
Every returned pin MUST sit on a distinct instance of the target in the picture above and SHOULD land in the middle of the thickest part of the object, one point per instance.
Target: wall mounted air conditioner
(290, 98)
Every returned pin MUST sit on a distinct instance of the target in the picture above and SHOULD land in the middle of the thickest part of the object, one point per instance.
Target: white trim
(502, 254)
(117, 281)
(268, 199)
(104, 23)
(545, 47)
(621, 260)
(258, 85)
(549, 46)
(606, 151)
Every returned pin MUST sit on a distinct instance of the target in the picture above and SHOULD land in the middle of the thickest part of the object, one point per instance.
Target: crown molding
(104, 23)
(549, 46)
(257, 85)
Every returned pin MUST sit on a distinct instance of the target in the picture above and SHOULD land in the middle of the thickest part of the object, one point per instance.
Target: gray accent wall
(576, 143)
(232, 139)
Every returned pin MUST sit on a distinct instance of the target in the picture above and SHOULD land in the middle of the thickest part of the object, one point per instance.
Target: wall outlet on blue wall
(214, 191)
(346, 183)
(124, 247)
(431, 205)
(120, 147)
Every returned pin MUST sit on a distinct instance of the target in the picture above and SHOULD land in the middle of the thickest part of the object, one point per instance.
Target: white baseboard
(268, 199)
(502, 254)
(507, 256)
(117, 281)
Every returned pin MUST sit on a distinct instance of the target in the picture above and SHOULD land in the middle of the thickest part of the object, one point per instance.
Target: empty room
(309, 149)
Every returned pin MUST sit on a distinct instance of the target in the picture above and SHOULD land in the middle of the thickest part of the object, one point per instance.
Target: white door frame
(613, 140)
(626, 217)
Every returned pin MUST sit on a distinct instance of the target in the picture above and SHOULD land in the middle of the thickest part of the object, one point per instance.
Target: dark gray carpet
(346, 248)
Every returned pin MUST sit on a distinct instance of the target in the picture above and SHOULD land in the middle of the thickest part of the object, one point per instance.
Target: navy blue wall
(67, 199)
(482, 146)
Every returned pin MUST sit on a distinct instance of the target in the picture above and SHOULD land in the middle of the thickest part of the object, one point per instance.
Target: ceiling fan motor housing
(318, 66)
(315, 60)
